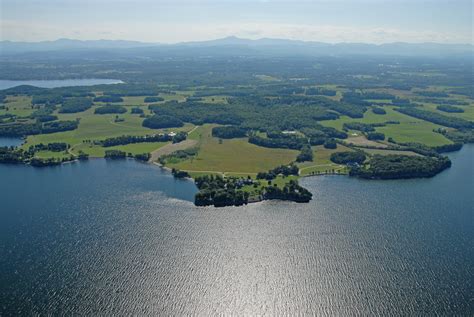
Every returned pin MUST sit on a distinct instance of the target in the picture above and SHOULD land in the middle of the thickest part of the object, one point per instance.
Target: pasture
(232, 156)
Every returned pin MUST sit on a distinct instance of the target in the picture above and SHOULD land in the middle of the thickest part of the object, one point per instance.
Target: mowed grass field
(18, 105)
(321, 162)
(99, 127)
(409, 130)
(235, 156)
(468, 113)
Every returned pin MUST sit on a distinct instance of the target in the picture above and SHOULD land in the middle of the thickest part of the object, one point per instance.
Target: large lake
(5, 84)
(112, 238)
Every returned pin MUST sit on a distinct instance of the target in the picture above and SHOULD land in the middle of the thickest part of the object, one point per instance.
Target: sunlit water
(5, 84)
(101, 238)
(10, 141)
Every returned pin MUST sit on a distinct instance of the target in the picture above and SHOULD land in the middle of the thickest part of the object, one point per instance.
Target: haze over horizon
(163, 21)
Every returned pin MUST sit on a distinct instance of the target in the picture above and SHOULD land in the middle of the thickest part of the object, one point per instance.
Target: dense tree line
(40, 162)
(458, 136)
(47, 99)
(306, 154)
(20, 129)
(59, 126)
(219, 191)
(12, 155)
(136, 110)
(436, 94)
(375, 136)
(73, 105)
(131, 139)
(330, 144)
(291, 191)
(437, 118)
(449, 109)
(109, 109)
(349, 108)
(419, 148)
(445, 101)
(179, 174)
(319, 131)
(46, 118)
(115, 154)
(162, 121)
(320, 91)
(285, 170)
(42, 111)
(359, 126)
(376, 95)
(53, 147)
(348, 157)
(7, 118)
(24, 129)
(229, 132)
(446, 148)
(401, 166)
(255, 112)
(294, 143)
(144, 157)
(153, 99)
(378, 110)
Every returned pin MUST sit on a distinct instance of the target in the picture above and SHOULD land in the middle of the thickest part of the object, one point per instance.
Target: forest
(273, 118)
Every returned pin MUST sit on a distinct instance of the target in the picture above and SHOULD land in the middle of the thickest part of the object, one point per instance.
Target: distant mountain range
(237, 45)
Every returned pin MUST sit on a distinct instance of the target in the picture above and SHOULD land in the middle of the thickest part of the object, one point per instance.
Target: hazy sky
(373, 21)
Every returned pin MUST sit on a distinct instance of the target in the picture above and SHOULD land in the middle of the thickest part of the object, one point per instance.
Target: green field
(388, 152)
(18, 105)
(409, 130)
(98, 127)
(50, 154)
(232, 156)
(468, 113)
(321, 162)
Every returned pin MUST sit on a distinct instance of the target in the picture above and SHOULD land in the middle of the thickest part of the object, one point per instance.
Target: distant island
(245, 128)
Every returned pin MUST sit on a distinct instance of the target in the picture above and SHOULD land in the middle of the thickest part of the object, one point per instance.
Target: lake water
(10, 141)
(101, 238)
(5, 84)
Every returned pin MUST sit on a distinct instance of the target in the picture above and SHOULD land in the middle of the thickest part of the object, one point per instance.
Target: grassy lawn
(409, 130)
(235, 155)
(321, 162)
(50, 154)
(133, 101)
(468, 113)
(179, 96)
(18, 105)
(98, 127)
(388, 152)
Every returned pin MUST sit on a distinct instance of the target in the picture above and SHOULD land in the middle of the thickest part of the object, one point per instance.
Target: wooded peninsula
(250, 130)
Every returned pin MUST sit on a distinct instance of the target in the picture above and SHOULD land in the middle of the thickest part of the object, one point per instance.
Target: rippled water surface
(10, 141)
(102, 238)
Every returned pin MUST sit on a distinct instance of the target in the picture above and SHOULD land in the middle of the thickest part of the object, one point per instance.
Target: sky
(168, 21)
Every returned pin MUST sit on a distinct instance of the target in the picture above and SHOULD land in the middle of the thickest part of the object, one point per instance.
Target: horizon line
(230, 37)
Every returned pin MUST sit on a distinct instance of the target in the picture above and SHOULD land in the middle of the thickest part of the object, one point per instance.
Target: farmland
(237, 123)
